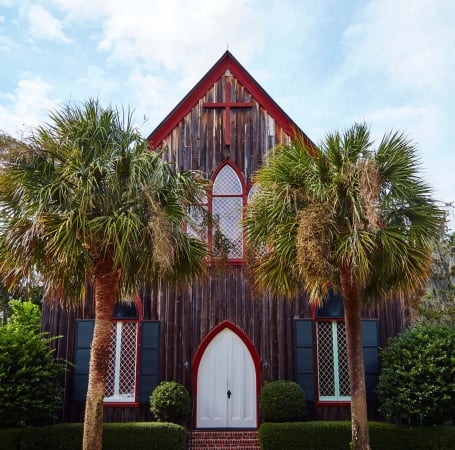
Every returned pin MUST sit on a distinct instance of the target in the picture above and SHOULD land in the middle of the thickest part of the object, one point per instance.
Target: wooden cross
(227, 105)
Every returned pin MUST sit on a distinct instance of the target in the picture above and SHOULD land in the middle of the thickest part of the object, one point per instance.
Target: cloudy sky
(327, 63)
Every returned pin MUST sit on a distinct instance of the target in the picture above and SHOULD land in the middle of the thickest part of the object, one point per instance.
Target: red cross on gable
(227, 105)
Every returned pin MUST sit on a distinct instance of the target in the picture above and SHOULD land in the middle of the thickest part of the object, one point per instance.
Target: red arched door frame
(203, 346)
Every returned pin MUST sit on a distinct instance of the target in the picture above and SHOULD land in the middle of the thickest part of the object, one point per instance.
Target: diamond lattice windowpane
(198, 227)
(228, 211)
(121, 375)
(110, 379)
(325, 359)
(343, 360)
(127, 378)
(333, 375)
(227, 182)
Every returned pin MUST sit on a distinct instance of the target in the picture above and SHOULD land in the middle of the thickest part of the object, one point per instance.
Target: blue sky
(327, 63)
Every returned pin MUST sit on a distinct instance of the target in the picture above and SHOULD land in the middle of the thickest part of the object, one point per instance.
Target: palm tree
(345, 216)
(86, 200)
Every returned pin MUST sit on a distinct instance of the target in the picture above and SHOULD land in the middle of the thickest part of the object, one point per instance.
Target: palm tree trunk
(352, 312)
(106, 286)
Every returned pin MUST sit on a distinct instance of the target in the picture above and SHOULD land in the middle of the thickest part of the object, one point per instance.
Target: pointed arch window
(227, 204)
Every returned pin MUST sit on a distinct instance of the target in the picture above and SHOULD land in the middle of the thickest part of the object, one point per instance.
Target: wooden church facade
(216, 336)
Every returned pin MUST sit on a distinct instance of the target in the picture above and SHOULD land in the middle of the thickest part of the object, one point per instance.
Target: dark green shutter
(149, 368)
(304, 357)
(84, 334)
(370, 342)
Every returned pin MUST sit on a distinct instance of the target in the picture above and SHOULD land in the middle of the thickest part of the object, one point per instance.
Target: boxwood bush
(417, 380)
(116, 436)
(282, 401)
(171, 402)
(337, 435)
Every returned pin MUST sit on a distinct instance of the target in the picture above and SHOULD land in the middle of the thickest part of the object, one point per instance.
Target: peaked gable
(226, 65)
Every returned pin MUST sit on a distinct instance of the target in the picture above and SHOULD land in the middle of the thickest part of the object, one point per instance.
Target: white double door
(226, 384)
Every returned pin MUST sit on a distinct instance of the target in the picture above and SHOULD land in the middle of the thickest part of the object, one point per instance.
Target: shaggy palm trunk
(106, 286)
(352, 312)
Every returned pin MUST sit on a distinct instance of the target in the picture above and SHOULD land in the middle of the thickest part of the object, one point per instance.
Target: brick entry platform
(223, 440)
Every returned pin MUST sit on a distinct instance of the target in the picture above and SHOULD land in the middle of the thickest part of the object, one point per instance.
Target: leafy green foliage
(343, 205)
(282, 401)
(30, 378)
(117, 436)
(336, 435)
(171, 402)
(417, 380)
(86, 184)
(25, 316)
(438, 304)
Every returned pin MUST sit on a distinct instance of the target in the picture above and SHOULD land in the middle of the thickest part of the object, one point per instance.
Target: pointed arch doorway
(226, 379)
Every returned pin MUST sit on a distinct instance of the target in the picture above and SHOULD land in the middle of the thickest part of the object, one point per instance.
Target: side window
(321, 361)
(121, 375)
(331, 352)
(333, 376)
(134, 363)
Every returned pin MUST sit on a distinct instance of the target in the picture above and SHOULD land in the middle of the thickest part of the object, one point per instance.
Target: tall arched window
(227, 202)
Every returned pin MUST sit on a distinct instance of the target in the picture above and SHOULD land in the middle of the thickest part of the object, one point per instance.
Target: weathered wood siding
(188, 314)
(198, 142)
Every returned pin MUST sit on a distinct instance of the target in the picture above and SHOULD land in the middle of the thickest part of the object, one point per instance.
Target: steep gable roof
(226, 63)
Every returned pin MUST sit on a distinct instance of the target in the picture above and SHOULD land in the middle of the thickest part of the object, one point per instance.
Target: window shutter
(370, 342)
(149, 371)
(304, 357)
(84, 334)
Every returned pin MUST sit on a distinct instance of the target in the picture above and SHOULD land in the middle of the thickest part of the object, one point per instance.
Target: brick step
(223, 440)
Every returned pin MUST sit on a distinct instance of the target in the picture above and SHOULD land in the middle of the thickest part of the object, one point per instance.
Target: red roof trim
(226, 62)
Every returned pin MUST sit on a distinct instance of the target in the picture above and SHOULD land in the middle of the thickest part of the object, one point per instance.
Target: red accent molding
(332, 403)
(226, 63)
(121, 404)
(203, 346)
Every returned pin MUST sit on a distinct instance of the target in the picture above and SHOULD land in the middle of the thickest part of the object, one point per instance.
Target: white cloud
(28, 106)
(101, 84)
(6, 44)
(410, 43)
(43, 25)
(173, 35)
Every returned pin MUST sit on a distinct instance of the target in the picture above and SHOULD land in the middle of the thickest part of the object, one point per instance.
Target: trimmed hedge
(337, 435)
(116, 436)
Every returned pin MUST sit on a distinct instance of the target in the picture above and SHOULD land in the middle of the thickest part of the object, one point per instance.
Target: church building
(217, 336)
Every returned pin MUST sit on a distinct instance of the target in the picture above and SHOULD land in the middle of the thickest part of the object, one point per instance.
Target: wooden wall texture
(188, 314)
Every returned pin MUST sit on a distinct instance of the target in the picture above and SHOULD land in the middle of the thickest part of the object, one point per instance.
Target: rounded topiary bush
(282, 401)
(171, 402)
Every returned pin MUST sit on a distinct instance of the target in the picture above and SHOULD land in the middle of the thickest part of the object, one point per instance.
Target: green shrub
(337, 435)
(282, 401)
(116, 436)
(417, 380)
(171, 402)
(30, 379)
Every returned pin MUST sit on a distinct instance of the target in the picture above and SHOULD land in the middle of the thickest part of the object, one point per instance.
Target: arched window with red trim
(227, 204)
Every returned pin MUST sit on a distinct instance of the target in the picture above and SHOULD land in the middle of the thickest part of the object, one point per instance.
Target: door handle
(229, 393)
